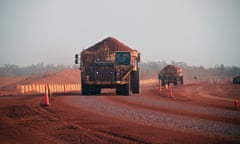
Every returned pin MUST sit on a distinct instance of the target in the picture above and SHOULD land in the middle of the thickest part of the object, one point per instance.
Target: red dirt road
(201, 113)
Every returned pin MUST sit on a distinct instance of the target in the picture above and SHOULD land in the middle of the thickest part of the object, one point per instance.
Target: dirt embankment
(8, 85)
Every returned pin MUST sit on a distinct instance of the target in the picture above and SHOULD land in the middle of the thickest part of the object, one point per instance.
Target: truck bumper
(106, 83)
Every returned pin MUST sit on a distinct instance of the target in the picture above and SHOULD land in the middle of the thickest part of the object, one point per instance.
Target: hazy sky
(198, 32)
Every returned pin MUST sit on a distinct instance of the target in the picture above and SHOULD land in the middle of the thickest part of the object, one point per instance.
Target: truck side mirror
(139, 57)
(76, 59)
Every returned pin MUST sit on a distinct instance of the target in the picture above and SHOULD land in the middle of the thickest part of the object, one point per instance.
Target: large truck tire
(127, 90)
(124, 89)
(84, 89)
(135, 82)
(92, 90)
(118, 90)
(88, 89)
(128, 87)
(175, 83)
(98, 90)
(163, 82)
(182, 80)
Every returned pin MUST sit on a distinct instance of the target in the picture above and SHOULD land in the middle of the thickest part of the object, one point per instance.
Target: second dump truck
(109, 64)
(171, 74)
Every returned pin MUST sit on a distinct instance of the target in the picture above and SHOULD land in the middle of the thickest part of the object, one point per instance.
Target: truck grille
(104, 72)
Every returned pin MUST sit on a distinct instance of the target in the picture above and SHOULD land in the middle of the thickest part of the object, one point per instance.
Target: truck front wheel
(124, 89)
(85, 89)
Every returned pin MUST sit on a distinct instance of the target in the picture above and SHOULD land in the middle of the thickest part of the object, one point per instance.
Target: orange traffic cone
(46, 96)
(236, 104)
(171, 93)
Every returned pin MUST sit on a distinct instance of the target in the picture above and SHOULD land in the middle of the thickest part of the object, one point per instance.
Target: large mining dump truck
(109, 64)
(171, 74)
(236, 80)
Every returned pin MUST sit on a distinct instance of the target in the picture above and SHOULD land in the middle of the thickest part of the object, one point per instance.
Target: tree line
(34, 69)
(148, 70)
(151, 70)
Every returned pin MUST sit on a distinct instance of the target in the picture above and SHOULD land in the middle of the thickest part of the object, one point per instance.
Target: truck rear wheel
(135, 82)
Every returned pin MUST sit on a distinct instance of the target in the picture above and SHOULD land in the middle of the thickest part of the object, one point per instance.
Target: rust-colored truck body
(109, 64)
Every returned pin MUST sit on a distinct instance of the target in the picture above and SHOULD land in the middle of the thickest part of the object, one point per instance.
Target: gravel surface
(151, 117)
(190, 108)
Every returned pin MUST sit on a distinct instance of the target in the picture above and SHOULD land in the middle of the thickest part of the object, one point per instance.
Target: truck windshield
(123, 58)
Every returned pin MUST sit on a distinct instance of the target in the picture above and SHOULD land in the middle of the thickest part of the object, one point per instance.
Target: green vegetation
(34, 69)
